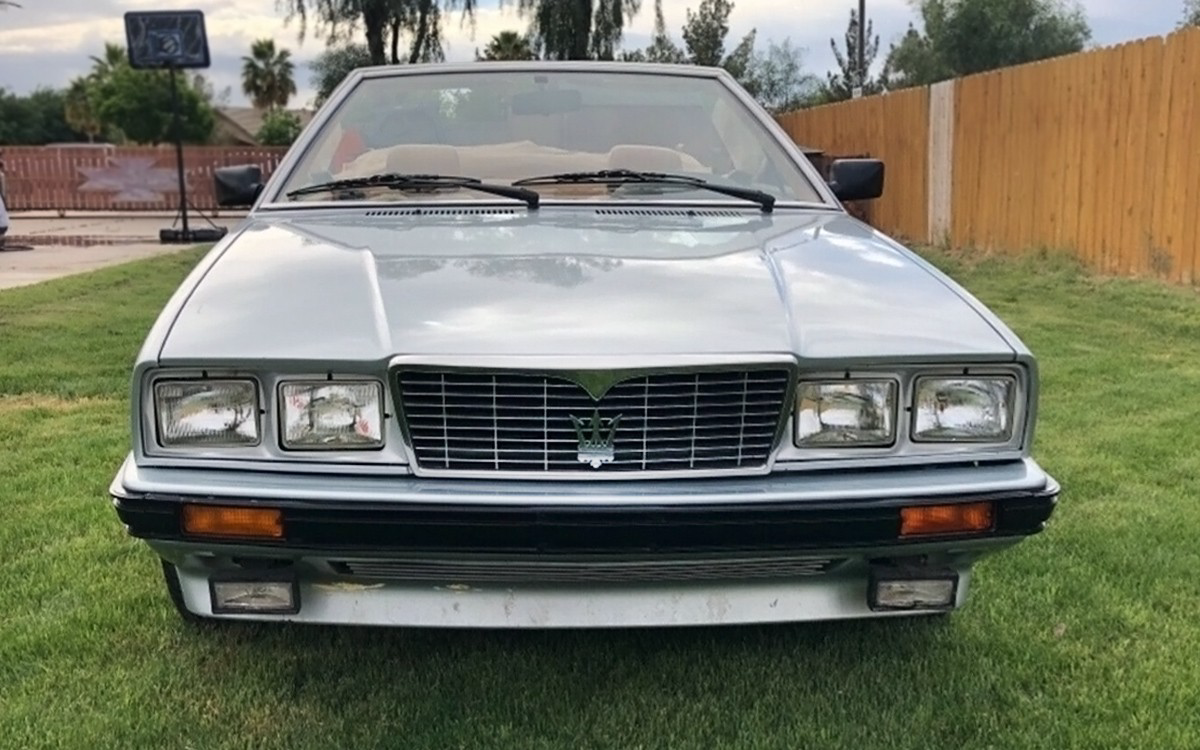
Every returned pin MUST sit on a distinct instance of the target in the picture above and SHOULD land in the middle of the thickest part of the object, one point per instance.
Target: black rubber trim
(729, 527)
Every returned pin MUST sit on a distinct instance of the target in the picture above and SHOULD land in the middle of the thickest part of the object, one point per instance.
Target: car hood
(357, 286)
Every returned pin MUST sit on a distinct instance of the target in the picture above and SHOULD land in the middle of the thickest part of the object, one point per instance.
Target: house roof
(243, 123)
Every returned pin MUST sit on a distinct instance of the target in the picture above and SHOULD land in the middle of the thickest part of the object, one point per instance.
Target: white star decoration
(133, 179)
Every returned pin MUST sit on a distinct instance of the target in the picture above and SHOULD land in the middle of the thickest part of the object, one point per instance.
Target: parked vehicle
(570, 344)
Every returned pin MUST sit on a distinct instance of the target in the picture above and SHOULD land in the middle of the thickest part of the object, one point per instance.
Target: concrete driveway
(67, 245)
(44, 262)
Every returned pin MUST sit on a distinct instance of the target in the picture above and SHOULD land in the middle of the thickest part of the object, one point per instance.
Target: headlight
(850, 412)
(964, 409)
(206, 412)
(332, 415)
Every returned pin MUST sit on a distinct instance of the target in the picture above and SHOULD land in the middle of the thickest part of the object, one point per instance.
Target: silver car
(570, 345)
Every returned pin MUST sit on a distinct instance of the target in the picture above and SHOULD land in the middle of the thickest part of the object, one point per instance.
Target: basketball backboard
(167, 39)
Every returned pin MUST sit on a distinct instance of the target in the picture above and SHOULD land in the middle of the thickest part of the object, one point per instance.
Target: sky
(47, 42)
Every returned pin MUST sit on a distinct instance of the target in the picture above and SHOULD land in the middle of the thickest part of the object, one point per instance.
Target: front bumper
(403, 551)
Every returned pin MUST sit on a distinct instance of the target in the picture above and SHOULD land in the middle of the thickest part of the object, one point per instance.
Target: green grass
(1085, 636)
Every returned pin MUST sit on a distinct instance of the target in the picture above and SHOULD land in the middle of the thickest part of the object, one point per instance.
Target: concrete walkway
(75, 244)
(44, 262)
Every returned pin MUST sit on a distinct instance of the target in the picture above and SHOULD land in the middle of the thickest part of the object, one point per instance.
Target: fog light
(904, 590)
(274, 597)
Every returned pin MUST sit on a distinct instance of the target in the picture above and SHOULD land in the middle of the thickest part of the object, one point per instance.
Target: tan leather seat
(424, 159)
(645, 158)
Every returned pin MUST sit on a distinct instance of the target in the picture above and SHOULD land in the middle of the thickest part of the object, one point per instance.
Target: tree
(914, 61)
(112, 59)
(961, 37)
(333, 65)
(841, 85)
(138, 104)
(777, 78)
(205, 88)
(705, 31)
(79, 109)
(279, 128)
(507, 45)
(662, 49)
(104, 103)
(80, 105)
(739, 62)
(578, 29)
(35, 119)
(267, 75)
(381, 21)
(1191, 13)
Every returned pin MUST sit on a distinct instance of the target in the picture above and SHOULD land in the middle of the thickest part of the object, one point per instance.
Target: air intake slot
(441, 212)
(685, 212)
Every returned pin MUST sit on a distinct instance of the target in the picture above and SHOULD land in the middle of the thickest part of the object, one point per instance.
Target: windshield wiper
(634, 177)
(397, 181)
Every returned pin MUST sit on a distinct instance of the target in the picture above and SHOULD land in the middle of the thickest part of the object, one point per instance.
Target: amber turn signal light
(218, 520)
(932, 520)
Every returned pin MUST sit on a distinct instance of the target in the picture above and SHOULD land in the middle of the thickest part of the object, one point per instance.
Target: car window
(504, 126)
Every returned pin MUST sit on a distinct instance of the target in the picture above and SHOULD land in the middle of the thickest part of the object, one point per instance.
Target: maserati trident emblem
(596, 439)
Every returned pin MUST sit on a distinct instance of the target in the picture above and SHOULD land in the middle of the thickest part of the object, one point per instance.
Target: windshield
(505, 126)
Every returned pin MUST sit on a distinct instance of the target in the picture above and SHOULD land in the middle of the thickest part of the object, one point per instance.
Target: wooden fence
(1096, 153)
(109, 178)
(891, 128)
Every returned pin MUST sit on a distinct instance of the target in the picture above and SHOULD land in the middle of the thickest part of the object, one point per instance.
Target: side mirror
(237, 186)
(856, 179)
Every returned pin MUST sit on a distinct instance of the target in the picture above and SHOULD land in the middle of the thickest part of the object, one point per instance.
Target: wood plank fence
(110, 178)
(891, 128)
(1097, 154)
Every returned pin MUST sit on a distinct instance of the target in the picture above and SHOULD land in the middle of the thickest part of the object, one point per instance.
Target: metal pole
(862, 43)
(186, 236)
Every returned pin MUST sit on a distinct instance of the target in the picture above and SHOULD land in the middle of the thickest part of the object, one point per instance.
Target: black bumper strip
(403, 528)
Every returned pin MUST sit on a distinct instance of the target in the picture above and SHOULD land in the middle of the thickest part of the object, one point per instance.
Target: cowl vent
(442, 212)
(686, 212)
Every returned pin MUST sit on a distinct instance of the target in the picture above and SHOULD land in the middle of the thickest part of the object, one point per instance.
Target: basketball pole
(177, 128)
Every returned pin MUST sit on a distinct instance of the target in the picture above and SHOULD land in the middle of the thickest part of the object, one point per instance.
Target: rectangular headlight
(332, 415)
(964, 409)
(858, 413)
(206, 412)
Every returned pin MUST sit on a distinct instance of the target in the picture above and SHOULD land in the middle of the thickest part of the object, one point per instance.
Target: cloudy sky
(47, 42)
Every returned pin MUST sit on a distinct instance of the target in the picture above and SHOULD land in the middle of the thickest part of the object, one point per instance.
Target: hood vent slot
(684, 212)
(442, 212)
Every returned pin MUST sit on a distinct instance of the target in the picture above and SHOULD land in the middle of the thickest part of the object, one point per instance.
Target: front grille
(576, 571)
(517, 422)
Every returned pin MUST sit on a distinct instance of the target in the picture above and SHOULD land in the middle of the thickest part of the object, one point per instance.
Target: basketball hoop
(174, 41)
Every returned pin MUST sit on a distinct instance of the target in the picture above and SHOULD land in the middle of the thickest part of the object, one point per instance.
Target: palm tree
(508, 45)
(79, 108)
(267, 75)
(113, 58)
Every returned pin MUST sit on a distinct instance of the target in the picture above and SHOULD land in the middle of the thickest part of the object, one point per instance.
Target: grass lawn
(1085, 636)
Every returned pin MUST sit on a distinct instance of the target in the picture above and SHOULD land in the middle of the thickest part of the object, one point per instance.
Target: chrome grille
(543, 571)
(517, 422)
